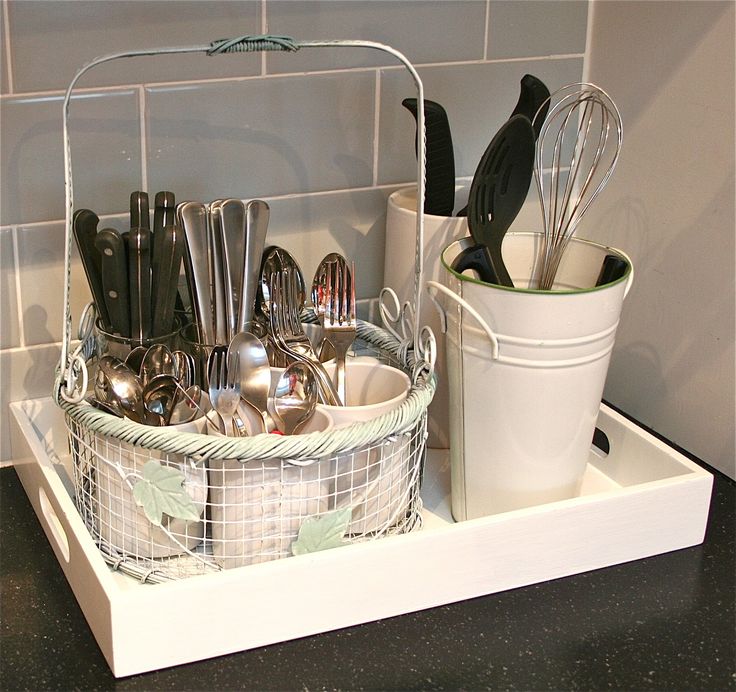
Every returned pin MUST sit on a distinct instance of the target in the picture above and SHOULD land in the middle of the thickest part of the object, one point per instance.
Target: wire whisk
(576, 153)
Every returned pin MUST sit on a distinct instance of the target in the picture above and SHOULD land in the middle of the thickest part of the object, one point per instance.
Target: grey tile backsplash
(320, 134)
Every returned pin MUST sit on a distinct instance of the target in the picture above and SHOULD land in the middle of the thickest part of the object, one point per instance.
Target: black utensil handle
(85, 224)
(612, 269)
(478, 259)
(139, 282)
(139, 215)
(113, 255)
(439, 193)
(163, 215)
(533, 101)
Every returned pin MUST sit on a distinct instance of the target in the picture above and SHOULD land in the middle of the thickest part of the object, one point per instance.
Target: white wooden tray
(641, 499)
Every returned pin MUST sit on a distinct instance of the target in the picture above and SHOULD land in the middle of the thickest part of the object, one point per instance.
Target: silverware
(193, 219)
(114, 271)
(218, 273)
(169, 244)
(257, 215)
(340, 321)
(84, 225)
(139, 282)
(295, 397)
(255, 374)
(232, 222)
(223, 372)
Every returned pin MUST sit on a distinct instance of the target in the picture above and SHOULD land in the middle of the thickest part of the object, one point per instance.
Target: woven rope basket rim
(294, 448)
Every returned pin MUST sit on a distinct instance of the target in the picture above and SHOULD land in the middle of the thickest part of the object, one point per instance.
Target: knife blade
(139, 282)
(114, 272)
(84, 225)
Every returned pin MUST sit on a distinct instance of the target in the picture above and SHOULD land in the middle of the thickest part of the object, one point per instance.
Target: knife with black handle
(84, 225)
(439, 191)
(164, 212)
(139, 282)
(114, 270)
(170, 245)
(139, 214)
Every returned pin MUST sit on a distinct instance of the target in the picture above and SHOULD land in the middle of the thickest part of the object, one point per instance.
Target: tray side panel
(77, 555)
(288, 599)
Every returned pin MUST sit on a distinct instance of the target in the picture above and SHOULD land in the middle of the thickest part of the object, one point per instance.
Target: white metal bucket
(526, 370)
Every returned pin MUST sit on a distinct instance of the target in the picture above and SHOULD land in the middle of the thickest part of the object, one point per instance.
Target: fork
(340, 322)
(223, 373)
(289, 335)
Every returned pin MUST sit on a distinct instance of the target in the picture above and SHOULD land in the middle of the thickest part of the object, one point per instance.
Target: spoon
(295, 397)
(157, 361)
(159, 395)
(121, 384)
(183, 368)
(255, 374)
(188, 405)
(134, 359)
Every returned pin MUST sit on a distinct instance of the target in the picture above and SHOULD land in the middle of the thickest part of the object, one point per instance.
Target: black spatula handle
(478, 258)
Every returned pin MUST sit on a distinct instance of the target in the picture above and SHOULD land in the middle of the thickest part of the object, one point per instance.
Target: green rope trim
(252, 44)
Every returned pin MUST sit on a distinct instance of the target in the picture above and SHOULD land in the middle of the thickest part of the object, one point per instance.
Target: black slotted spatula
(497, 193)
(439, 192)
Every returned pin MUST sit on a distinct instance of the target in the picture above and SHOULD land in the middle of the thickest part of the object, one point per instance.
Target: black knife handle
(113, 256)
(85, 224)
(139, 282)
(139, 214)
(171, 241)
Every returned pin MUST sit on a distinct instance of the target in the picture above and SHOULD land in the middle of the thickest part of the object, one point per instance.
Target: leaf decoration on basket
(161, 491)
(323, 532)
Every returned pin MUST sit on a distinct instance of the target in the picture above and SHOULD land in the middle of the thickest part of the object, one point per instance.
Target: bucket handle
(466, 306)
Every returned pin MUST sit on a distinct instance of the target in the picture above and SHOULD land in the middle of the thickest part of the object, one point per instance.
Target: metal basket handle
(72, 367)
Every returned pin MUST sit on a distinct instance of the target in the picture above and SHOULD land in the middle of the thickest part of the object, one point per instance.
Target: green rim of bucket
(539, 291)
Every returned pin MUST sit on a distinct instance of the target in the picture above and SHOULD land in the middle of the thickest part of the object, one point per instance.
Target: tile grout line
(8, 53)
(264, 31)
(487, 27)
(144, 143)
(376, 125)
(18, 297)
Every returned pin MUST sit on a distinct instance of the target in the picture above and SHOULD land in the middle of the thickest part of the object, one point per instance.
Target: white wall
(670, 204)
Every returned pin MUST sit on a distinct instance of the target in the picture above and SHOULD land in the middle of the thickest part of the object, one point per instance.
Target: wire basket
(169, 502)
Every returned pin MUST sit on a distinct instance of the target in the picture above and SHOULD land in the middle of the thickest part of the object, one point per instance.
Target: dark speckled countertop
(665, 623)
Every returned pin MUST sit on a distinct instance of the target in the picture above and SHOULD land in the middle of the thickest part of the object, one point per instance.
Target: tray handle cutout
(52, 520)
(601, 445)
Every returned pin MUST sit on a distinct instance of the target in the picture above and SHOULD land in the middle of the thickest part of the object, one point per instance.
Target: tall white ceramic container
(398, 274)
(526, 370)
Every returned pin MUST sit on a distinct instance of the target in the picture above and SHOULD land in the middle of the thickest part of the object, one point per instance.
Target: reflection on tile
(68, 34)
(26, 374)
(478, 100)
(536, 28)
(9, 334)
(105, 134)
(41, 257)
(351, 223)
(455, 26)
(262, 137)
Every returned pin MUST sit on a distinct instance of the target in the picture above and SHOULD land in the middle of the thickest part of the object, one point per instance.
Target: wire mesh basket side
(249, 512)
